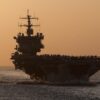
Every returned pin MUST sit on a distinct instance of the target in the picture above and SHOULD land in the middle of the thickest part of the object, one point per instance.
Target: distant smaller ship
(52, 69)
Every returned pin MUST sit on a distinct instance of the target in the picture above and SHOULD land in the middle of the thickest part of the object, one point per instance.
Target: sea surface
(10, 74)
(13, 91)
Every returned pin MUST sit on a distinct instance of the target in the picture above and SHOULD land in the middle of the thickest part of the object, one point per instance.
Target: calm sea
(43, 92)
(10, 74)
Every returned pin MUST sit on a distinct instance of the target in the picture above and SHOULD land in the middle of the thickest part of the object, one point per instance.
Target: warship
(53, 69)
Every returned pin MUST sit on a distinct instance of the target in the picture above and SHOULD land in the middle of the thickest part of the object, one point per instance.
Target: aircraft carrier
(53, 69)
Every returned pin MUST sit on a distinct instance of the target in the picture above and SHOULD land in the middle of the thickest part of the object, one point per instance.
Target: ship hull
(58, 69)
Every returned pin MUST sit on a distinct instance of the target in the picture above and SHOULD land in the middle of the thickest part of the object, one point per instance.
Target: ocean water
(11, 91)
(10, 74)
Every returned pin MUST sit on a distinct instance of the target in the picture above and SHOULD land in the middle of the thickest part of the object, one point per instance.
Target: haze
(71, 27)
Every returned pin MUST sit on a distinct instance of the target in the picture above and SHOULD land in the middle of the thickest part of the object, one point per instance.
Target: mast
(29, 25)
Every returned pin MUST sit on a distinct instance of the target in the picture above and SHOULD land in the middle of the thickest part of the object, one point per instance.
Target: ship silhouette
(53, 69)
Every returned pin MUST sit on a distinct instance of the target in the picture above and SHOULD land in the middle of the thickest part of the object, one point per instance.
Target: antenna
(29, 25)
(27, 11)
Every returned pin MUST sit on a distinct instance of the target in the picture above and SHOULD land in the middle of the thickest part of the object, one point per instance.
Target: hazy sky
(71, 27)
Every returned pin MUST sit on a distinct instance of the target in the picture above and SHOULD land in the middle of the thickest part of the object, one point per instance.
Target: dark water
(43, 92)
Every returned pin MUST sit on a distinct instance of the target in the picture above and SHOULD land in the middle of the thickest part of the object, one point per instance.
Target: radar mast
(29, 25)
